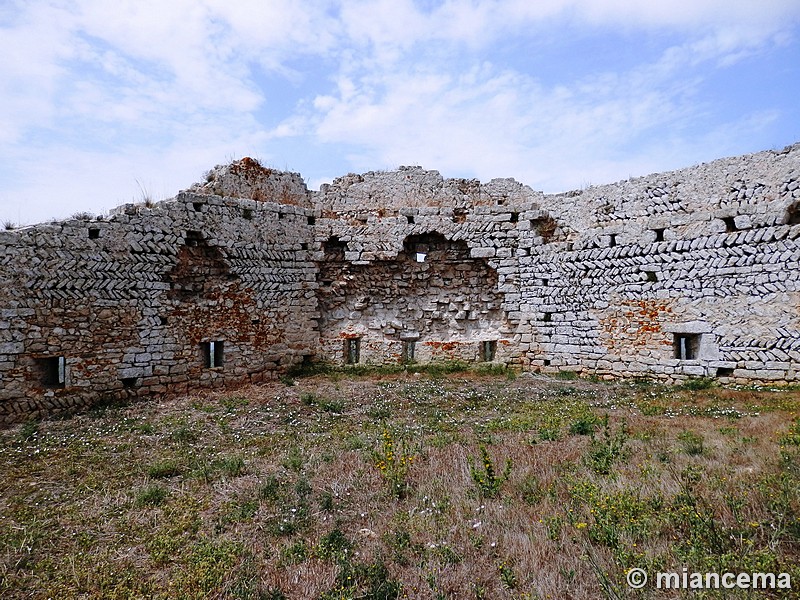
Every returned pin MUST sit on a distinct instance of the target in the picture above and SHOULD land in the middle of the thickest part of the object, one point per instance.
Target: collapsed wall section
(415, 267)
(199, 291)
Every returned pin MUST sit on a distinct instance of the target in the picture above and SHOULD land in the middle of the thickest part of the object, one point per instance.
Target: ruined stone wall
(710, 252)
(409, 257)
(689, 273)
(95, 310)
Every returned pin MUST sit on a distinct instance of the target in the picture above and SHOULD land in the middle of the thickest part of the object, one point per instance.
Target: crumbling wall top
(248, 178)
(758, 189)
(413, 187)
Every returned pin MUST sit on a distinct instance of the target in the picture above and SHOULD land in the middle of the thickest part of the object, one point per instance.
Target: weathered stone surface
(695, 272)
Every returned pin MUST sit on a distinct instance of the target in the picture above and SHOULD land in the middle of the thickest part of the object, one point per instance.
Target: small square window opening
(686, 345)
(53, 371)
(213, 354)
(352, 351)
(409, 349)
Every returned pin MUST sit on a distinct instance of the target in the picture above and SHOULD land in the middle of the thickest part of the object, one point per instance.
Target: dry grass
(284, 491)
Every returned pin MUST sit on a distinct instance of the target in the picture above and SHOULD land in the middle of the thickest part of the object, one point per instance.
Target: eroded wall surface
(130, 305)
(690, 273)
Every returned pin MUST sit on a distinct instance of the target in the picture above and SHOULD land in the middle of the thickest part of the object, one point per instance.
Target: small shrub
(232, 466)
(326, 501)
(152, 495)
(605, 452)
(145, 428)
(302, 488)
(231, 403)
(379, 413)
(439, 369)
(583, 425)
(184, 434)
(491, 369)
(9, 225)
(485, 477)
(334, 544)
(697, 383)
(566, 375)
(295, 553)
(692, 443)
(163, 469)
(28, 430)
(394, 463)
(792, 436)
(271, 489)
(507, 575)
(530, 488)
(549, 428)
(332, 406)
(294, 460)
(370, 581)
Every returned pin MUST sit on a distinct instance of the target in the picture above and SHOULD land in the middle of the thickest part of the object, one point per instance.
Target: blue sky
(100, 101)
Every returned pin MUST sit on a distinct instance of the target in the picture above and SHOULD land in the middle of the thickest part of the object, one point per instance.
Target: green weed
(486, 478)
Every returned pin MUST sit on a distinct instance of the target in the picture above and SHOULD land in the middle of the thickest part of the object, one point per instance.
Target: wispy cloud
(95, 95)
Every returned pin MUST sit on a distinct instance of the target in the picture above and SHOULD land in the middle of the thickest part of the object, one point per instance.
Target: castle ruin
(694, 272)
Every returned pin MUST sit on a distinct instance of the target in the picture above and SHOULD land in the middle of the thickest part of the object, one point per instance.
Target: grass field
(443, 485)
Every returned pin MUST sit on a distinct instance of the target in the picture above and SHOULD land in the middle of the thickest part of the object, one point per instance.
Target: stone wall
(689, 273)
(96, 310)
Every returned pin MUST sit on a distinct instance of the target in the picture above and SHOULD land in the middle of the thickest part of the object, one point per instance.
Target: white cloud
(94, 95)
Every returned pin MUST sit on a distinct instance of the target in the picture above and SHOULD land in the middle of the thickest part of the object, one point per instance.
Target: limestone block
(483, 252)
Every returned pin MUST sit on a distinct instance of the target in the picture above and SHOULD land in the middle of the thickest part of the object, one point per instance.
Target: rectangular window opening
(213, 354)
(659, 234)
(421, 256)
(129, 382)
(53, 371)
(730, 224)
(409, 349)
(686, 345)
(793, 214)
(162, 320)
(547, 317)
(311, 220)
(488, 350)
(94, 233)
(410, 219)
(281, 215)
(247, 213)
(546, 362)
(352, 351)
(651, 276)
(303, 246)
(198, 206)
(724, 372)
(612, 240)
(514, 217)
(193, 238)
